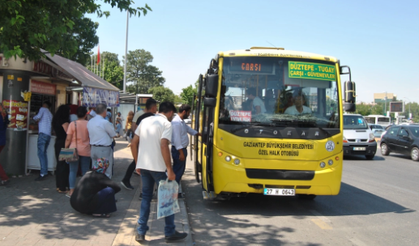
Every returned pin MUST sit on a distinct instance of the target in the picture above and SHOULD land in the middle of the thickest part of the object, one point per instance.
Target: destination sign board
(309, 70)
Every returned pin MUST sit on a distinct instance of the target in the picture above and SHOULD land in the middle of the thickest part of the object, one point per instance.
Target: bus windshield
(275, 91)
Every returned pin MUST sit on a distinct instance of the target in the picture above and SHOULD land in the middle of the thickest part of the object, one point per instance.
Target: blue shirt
(45, 118)
(100, 131)
(180, 132)
(118, 128)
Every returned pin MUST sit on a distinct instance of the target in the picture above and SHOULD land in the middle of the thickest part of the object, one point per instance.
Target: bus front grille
(279, 174)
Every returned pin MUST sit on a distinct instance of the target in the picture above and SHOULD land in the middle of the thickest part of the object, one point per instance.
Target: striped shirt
(45, 118)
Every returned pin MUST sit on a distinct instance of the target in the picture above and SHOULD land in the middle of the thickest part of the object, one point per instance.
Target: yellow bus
(271, 123)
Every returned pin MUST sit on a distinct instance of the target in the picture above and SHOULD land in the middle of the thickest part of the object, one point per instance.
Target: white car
(358, 138)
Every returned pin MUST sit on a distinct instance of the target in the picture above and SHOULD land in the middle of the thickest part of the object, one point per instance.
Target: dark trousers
(3, 175)
(129, 171)
(106, 203)
(178, 165)
(62, 171)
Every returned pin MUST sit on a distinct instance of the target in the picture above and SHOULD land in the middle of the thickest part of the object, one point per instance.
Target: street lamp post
(385, 105)
(409, 106)
(126, 47)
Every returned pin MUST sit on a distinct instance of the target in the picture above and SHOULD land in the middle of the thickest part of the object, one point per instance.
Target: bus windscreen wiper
(324, 131)
(282, 122)
(234, 130)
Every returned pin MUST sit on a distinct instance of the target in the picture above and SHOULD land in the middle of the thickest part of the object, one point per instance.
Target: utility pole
(409, 106)
(385, 105)
(126, 47)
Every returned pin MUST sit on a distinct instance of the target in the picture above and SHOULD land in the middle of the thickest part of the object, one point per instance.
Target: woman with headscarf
(95, 192)
(60, 123)
(78, 137)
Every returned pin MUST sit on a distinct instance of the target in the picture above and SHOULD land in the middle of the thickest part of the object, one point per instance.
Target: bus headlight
(228, 158)
(322, 164)
(330, 145)
(237, 161)
(330, 162)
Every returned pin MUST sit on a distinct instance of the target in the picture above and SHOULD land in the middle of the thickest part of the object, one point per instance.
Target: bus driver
(298, 107)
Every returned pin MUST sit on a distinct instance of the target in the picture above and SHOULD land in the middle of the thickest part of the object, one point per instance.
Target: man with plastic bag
(150, 149)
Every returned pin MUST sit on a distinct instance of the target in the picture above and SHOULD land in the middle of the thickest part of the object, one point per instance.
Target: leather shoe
(41, 178)
(177, 236)
(139, 238)
(126, 185)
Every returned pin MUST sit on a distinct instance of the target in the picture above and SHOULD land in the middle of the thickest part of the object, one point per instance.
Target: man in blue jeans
(180, 141)
(150, 149)
(44, 117)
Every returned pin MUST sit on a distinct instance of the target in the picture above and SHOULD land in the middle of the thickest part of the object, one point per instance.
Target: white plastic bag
(167, 203)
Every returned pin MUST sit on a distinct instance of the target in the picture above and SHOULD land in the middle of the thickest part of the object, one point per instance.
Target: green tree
(378, 109)
(363, 109)
(59, 27)
(110, 69)
(140, 73)
(162, 94)
(113, 71)
(187, 94)
(178, 100)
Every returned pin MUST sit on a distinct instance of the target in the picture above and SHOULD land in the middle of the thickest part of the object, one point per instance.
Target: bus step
(208, 195)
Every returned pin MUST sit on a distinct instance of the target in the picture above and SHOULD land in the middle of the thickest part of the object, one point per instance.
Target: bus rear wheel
(306, 197)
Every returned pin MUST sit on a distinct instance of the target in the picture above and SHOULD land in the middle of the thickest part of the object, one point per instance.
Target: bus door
(210, 101)
(197, 141)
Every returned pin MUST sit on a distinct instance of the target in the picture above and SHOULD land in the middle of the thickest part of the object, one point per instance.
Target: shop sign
(18, 113)
(43, 88)
(42, 67)
(92, 97)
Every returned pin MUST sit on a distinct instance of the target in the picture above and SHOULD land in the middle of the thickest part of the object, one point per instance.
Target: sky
(379, 40)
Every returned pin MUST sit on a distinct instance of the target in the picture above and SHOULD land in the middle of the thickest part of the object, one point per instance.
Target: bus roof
(275, 52)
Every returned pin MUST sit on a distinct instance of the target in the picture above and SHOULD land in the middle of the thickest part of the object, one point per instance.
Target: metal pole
(409, 106)
(385, 105)
(126, 47)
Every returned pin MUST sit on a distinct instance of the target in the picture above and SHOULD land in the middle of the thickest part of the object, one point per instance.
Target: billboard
(396, 107)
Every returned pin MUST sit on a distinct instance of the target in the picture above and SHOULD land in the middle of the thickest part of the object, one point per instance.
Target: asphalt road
(378, 205)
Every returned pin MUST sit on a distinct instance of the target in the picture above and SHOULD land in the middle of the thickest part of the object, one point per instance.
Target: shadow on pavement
(236, 213)
(32, 211)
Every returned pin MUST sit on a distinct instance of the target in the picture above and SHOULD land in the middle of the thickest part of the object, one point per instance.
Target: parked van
(358, 138)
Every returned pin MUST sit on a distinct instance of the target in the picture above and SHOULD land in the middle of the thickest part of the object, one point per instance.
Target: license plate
(278, 192)
(359, 148)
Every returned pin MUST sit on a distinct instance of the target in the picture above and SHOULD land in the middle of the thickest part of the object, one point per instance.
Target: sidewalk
(34, 213)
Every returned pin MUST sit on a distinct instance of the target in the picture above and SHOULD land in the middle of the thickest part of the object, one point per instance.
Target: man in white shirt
(101, 135)
(180, 141)
(150, 149)
(298, 107)
(119, 115)
(258, 105)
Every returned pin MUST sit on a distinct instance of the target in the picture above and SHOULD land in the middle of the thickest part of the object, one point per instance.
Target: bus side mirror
(349, 91)
(349, 96)
(210, 102)
(211, 85)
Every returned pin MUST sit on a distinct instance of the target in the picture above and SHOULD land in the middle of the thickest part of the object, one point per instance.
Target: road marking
(323, 225)
(321, 221)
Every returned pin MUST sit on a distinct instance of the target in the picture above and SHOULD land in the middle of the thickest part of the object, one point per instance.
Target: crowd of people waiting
(92, 134)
